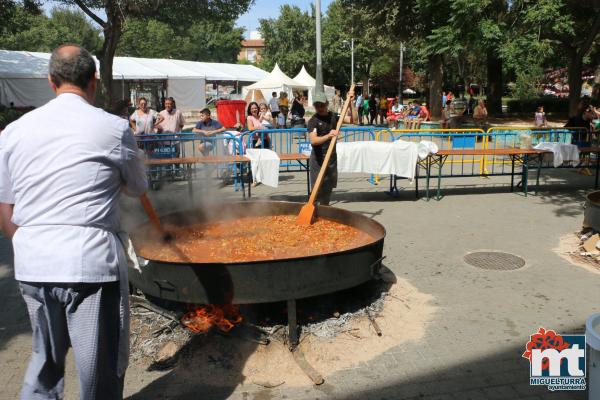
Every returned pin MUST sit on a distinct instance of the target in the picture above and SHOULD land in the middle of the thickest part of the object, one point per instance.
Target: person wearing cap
(321, 129)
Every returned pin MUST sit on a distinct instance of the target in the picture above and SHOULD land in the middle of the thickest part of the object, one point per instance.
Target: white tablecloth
(562, 152)
(265, 166)
(385, 158)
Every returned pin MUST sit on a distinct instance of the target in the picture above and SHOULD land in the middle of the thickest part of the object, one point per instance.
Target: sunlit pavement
(473, 343)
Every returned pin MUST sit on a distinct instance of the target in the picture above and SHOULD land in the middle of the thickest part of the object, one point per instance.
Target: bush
(551, 104)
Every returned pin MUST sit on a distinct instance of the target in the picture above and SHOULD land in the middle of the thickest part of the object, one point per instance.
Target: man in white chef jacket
(62, 167)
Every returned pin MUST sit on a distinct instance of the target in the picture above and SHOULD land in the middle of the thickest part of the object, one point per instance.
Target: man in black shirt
(321, 129)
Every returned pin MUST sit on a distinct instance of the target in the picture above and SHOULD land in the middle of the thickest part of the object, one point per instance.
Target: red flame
(202, 318)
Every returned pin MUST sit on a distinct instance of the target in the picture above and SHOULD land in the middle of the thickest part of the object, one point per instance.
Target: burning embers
(203, 317)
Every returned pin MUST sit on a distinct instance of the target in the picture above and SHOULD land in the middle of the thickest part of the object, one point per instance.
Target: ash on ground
(581, 248)
(337, 331)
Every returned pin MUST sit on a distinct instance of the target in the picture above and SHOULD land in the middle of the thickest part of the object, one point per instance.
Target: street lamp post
(400, 81)
(319, 78)
(352, 60)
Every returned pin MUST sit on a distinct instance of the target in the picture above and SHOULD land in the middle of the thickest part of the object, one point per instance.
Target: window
(251, 55)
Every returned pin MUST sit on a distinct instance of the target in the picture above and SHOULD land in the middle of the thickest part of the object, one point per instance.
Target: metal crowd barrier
(507, 136)
(186, 144)
(295, 140)
(471, 138)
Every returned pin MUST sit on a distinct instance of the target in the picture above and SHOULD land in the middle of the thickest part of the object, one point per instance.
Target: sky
(248, 21)
(270, 9)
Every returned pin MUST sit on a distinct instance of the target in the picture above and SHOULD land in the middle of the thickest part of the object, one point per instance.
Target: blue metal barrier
(186, 144)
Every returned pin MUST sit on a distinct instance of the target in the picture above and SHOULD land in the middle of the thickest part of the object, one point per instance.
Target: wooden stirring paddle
(308, 211)
(167, 237)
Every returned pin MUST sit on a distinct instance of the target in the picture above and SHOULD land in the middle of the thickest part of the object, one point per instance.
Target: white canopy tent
(276, 81)
(304, 78)
(188, 87)
(23, 77)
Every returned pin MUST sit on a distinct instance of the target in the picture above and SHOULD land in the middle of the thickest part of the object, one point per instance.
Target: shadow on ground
(212, 364)
(500, 374)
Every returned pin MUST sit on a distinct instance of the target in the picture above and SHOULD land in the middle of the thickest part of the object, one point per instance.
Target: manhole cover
(494, 260)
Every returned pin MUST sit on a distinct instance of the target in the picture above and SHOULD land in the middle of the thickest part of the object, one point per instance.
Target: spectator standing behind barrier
(207, 127)
(540, 118)
(170, 120)
(359, 107)
(253, 123)
(284, 108)
(383, 109)
(336, 103)
(446, 115)
(274, 106)
(373, 105)
(297, 107)
(62, 167)
(143, 119)
(365, 110)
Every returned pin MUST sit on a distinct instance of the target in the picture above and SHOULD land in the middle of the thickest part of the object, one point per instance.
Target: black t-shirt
(323, 125)
(297, 109)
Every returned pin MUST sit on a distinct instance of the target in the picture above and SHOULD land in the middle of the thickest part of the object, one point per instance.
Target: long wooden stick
(154, 217)
(340, 122)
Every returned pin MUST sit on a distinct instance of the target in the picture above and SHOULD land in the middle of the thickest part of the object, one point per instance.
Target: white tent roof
(304, 78)
(167, 68)
(200, 68)
(23, 64)
(276, 79)
(131, 68)
(20, 64)
(244, 73)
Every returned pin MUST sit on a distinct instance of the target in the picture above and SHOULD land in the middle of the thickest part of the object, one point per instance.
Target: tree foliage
(179, 15)
(27, 28)
(289, 41)
(214, 41)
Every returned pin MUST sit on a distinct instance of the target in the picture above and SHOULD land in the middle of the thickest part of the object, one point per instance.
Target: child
(540, 118)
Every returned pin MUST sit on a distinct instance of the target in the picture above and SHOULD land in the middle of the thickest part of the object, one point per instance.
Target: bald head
(72, 64)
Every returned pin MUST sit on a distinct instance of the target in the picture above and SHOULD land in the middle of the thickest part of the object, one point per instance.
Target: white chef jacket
(63, 166)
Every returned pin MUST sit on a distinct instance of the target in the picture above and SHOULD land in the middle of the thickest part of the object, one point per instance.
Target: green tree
(289, 41)
(181, 14)
(372, 48)
(572, 26)
(29, 29)
(151, 39)
(418, 21)
(216, 41)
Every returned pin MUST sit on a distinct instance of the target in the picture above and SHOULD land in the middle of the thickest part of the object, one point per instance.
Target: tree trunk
(575, 83)
(494, 83)
(436, 74)
(112, 34)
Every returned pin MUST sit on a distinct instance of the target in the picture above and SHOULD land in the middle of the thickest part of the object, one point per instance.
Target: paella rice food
(256, 238)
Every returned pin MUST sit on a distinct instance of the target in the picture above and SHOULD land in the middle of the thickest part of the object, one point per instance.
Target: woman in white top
(143, 119)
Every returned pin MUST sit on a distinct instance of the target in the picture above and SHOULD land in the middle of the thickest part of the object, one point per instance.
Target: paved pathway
(473, 345)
